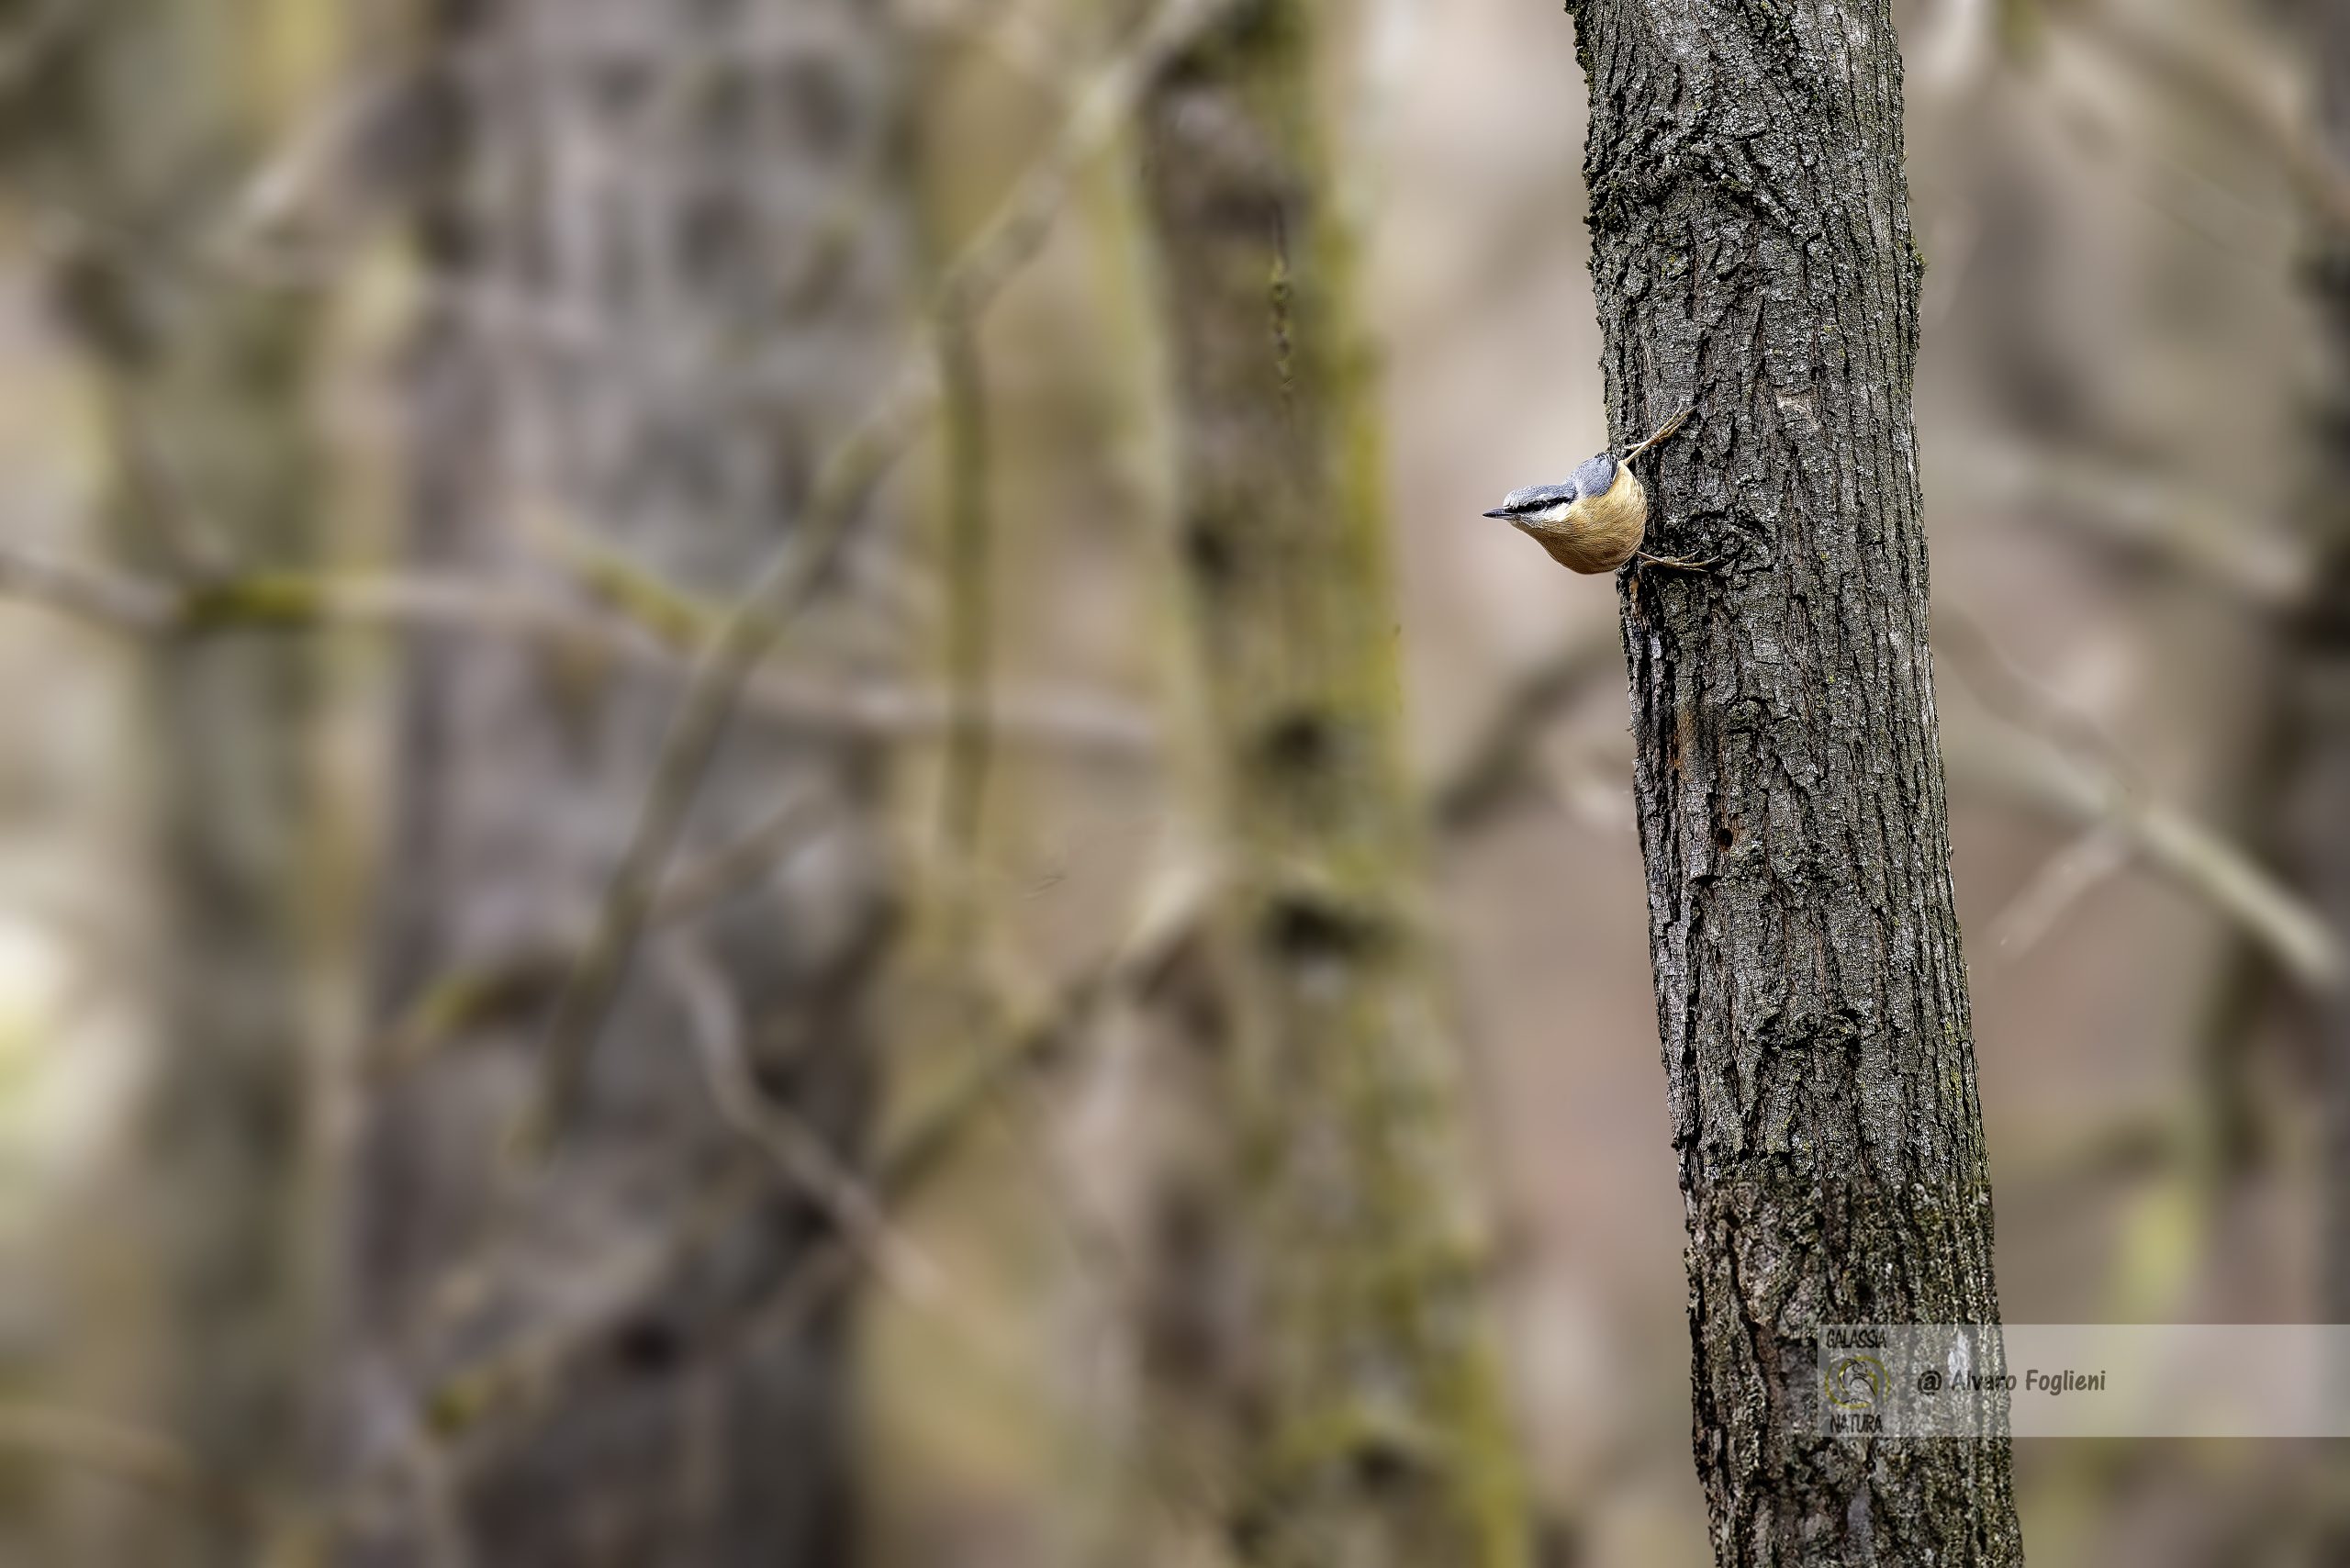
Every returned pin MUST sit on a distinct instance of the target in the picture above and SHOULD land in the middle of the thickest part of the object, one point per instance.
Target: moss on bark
(1376, 1432)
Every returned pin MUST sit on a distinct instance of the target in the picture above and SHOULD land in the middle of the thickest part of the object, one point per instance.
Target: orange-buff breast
(1601, 532)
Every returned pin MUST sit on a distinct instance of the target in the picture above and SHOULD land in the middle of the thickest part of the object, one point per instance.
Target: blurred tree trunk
(2325, 783)
(1751, 254)
(164, 111)
(665, 264)
(2317, 760)
(1374, 1431)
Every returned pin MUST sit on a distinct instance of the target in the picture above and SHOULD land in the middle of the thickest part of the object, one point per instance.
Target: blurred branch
(2176, 191)
(683, 625)
(757, 622)
(2011, 758)
(797, 1150)
(288, 600)
(112, 600)
(2199, 76)
(1967, 650)
(159, 496)
(2140, 1142)
(349, 165)
(2184, 531)
(970, 560)
(1167, 929)
(1035, 46)
(2049, 778)
(145, 1458)
(667, 612)
(2039, 752)
(1499, 762)
(648, 625)
(502, 1385)
(26, 50)
(2062, 882)
(520, 980)
(737, 866)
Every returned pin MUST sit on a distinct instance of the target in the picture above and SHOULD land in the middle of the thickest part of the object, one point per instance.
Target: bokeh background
(2126, 406)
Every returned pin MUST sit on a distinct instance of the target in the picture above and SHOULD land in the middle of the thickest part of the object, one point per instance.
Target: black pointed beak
(1503, 512)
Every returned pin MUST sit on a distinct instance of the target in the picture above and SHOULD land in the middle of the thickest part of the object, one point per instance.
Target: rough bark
(1373, 1428)
(1751, 254)
(666, 265)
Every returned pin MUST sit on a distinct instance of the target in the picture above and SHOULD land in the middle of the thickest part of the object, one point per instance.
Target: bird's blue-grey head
(1548, 503)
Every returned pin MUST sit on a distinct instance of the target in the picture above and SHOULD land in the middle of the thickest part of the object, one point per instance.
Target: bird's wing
(1596, 473)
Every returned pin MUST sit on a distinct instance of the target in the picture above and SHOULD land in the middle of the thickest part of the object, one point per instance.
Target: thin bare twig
(2062, 882)
(911, 1158)
(111, 600)
(1084, 723)
(2036, 750)
(716, 1025)
(146, 1459)
(522, 976)
(2048, 776)
(1478, 785)
(28, 49)
(509, 1381)
(759, 619)
(970, 608)
(2081, 776)
(1167, 926)
(2194, 535)
(2198, 76)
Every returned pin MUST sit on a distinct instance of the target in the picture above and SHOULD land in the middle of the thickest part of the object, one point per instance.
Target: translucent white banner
(2074, 1380)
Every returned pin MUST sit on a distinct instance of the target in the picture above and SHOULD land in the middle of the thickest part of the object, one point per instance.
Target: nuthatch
(1594, 521)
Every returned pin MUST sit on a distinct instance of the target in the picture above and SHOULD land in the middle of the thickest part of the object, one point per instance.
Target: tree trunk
(163, 112)
(668, 264)
(2325, 687)
(1751, 254)
(1375, 1429)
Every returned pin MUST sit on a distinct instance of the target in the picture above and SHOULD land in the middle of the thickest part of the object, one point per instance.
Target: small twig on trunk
(1664, 433)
